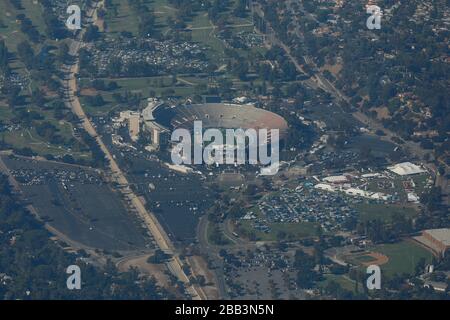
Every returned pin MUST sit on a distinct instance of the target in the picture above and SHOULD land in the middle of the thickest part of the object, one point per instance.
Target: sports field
(396, 258)
(403, 256)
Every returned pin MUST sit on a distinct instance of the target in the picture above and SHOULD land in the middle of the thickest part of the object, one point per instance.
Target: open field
(123, 21)
(292, 231)
(126, 20)
(343, 280)
(161, 86)
(400, 257)
(393, 258)
(403, 256)
(29, 138)
(11, 33)
(383, 212)
(377, 146)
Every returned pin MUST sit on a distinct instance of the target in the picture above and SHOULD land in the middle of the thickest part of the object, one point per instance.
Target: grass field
(383, 212)
(160, 85)
(12, 36)
(28, 137)
(126, 19)
(123, 21)
(210, 232)
(5, 113)
(403, 256)
(343, 280)
(216, 46)
(11, 33)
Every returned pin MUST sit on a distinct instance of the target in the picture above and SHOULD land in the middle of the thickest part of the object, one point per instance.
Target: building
(151, 125)
(134, 119)
(325, 187)
(336, 179)
(406, 169)
(437, 240)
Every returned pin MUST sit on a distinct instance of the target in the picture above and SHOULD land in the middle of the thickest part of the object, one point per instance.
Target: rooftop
(406, 168)
(442, 235)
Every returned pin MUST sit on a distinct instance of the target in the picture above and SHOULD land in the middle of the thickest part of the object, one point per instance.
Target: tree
(26, 54)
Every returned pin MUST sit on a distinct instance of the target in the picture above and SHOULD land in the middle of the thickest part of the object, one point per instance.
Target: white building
(134, 120)
(325, 187)
(406, 168)
(336, 179)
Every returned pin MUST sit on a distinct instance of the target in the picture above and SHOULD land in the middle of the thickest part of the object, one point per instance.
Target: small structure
(325, 187)
(336, 179)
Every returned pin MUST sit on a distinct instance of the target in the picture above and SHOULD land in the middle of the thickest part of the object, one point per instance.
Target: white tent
(406, 168)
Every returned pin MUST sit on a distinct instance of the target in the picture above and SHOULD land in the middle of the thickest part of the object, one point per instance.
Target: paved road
(212, 252)
(158, 233)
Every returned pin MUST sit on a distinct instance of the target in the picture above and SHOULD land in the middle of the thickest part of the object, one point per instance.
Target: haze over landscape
(224, 150)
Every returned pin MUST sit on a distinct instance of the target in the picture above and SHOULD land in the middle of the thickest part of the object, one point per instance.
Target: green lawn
(5, 113)
(200, 21)
(11, 33)
(126, 19)
(33, 10)
(207, 38)
(372, 211)
(343, 280)
(184, 87)
(29, 137)
(403, 256)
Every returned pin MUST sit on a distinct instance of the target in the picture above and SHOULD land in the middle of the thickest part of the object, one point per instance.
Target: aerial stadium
(163, 118)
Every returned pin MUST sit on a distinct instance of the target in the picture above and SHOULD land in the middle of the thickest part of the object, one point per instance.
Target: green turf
(126, 19)
(403, 256)
(373, 211)
(343, 280)
(184, 87)
(28, 138)
(123, 21)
